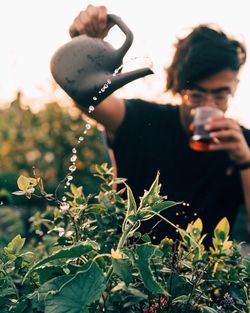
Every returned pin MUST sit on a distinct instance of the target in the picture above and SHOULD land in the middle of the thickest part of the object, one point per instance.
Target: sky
(32, 30)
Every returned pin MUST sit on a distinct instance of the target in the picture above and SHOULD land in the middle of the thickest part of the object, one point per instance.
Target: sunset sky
(31, 31)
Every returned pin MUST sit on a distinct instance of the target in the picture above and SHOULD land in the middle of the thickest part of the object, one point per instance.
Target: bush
(83, 258)
(44, 140)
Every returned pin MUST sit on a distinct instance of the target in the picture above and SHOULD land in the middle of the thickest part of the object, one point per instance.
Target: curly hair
(204, 52)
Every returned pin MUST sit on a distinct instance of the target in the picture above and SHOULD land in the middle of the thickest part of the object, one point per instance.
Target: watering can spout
(114, 82)
(122, 79)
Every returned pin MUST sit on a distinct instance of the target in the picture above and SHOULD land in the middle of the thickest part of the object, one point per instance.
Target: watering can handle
(129, 35)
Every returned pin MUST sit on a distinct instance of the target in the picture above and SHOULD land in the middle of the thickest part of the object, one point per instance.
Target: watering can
(83, 65)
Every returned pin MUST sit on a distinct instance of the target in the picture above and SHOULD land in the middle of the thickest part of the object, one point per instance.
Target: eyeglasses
(195, 97)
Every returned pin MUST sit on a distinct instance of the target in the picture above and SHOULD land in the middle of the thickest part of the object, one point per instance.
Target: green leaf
(153, 191)
(207, 309)
(198, 224)
(180, 299)
(21, 306)
(178, 286)
(131, 209)
(122, 269)
(23, 182)
(146, 238)
(136, 293)
(222, 227)
(15, 246)
(19, 193)
(246, 264)
(74, 190)
(131, 201)
(147, 213)
(48, 272)
(67, 253)
(164, 205)
(73, 293)
(101, 169)
(145, 253)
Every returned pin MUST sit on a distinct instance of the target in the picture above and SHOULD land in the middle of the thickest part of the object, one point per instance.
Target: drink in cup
(200, 139)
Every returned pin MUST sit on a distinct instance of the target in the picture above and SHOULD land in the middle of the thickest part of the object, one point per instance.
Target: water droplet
(109, 81)
(68, 183)
(64, 198)
(72, 168)
(74, 150)
(73, 158)
(81, 139)
(94, 98)
(88, 126)
(1, 203)
(85, 132)
(64, 206)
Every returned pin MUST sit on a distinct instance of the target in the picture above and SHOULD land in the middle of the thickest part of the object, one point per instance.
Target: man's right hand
(93, 22)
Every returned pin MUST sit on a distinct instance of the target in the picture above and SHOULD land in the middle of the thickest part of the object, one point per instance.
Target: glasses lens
(221, 96)
(196, 97)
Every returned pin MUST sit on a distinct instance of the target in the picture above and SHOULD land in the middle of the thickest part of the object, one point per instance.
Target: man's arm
(110, 113)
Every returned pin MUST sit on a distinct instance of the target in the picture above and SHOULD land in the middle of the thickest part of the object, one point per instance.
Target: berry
(220, 309)
(228, 300)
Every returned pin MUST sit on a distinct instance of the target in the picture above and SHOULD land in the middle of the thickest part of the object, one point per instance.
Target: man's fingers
(222, 123)
(102, 18)
(92, 22)
(226, 135)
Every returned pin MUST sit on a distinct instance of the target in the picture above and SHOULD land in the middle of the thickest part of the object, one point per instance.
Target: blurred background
(39, 124)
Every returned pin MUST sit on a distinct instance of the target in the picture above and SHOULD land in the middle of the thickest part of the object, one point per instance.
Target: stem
(77, 232)
(124, 236)
(121, 243)
(172, 264)
(238, 310)
(109, 273)
(172, 224)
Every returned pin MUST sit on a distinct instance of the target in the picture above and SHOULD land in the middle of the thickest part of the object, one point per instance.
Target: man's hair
(204, 52)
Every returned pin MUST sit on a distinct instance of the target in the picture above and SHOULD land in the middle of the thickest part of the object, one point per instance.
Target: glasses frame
(220, 97)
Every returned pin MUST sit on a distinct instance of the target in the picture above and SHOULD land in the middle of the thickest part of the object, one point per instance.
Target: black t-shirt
(151, 138)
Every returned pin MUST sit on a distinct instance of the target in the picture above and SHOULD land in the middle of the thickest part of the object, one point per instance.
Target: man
(148, 137)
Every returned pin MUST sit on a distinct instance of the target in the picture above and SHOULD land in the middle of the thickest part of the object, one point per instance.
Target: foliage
(45, 140)
(85, 261)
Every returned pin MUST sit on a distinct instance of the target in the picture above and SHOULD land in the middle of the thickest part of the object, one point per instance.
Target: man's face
(213, 91)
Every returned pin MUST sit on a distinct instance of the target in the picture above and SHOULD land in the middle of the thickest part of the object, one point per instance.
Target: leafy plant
(85, 261)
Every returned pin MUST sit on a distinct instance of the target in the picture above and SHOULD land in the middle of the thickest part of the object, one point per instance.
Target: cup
(200, 139)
